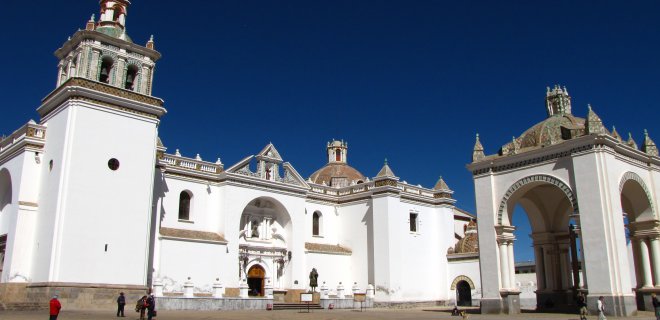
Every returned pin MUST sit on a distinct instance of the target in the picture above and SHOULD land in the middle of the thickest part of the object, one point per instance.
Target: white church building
(93, 203)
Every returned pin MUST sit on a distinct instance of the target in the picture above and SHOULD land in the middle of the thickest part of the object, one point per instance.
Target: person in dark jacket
(55, 307)
(121, 302)
(151, 305)
(582, 305)
(656, 306)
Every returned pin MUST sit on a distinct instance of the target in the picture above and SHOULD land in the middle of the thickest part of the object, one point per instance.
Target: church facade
(92, 203)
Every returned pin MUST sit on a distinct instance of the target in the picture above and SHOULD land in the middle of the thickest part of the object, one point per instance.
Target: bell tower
(337, 151)
(104, 53)
(100, 156)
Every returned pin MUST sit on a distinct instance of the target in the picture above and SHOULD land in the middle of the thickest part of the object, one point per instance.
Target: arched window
(106, 68)
(131, 77)
(184, 205)
(316, 223)
(338, 155)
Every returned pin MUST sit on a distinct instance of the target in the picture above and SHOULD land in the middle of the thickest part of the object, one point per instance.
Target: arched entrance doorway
(550, 206)
(463, 294)
(265, 228)
(255, 280)
(642, 235)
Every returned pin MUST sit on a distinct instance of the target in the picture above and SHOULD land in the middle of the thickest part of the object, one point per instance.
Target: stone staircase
(23, 306)
(296, 306)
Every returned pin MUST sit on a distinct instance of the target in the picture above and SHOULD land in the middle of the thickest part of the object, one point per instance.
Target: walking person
(121, 302)
(55, 307)
(601, 308)
(582, 305)
(656, 306)
(151, 305)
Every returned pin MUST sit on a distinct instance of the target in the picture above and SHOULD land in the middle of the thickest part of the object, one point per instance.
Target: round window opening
(113, 164)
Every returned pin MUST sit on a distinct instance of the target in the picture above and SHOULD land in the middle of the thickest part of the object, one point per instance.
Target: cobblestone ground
(426, 313)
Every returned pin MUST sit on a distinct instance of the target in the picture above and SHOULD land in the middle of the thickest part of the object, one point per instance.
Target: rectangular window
(413, 222)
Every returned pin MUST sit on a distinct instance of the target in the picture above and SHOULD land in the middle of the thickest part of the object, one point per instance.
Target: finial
(91, 19)
(477, 135)
(646, 133)
(68, 38)
(385, 161)
(151, 38)
(589, 106)
(629, 135)
(198, 157)
(177, 153)
(218, 161)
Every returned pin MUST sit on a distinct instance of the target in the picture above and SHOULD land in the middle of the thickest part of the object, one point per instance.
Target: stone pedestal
(340, 291)
(188, 289)
(324, 291)
(279, 296)
(244, 289)
(268, 288)
(158, 288)
(218, 290)
(371, 292)
(355, 289)
(511, 302)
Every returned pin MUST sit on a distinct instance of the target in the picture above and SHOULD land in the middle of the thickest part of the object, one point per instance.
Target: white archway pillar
(504, 264)
(646, 280)
(512, 265)
(564, 266)
(655, 259)
(540, 267)
(548, 267)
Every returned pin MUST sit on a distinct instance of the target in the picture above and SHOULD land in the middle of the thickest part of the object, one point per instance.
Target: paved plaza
(422, 313)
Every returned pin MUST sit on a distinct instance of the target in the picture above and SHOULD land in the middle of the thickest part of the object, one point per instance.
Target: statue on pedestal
(313, 279)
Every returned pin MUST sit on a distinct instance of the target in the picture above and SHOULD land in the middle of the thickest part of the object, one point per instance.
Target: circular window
(113, 164)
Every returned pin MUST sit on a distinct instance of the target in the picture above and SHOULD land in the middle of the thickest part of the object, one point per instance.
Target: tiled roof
(191, 234)
(327, 248)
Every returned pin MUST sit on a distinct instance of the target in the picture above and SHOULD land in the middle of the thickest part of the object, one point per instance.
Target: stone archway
(644, 236)
(550, 205)
(264, 237)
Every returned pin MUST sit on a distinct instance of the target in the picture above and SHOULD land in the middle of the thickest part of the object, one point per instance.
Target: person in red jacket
(55, 307)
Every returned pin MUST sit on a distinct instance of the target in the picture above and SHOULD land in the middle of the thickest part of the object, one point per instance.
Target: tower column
(645, 264)
(504, 264)
(512, 265)
(540, 271)
(655, 260)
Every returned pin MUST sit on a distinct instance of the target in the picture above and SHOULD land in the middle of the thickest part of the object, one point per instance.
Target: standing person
(582, 305)
(55, 307)
(121, 302)
(601, 308)
(151, 305)
(656, 306)
(141, 306)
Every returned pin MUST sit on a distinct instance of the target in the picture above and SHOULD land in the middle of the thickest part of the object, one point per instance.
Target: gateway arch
(590, 197)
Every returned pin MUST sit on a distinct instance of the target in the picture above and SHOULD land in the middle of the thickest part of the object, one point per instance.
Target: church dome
(549, 131)
(340, 173)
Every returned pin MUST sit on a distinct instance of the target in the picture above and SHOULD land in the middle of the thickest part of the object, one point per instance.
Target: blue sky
(410, 81)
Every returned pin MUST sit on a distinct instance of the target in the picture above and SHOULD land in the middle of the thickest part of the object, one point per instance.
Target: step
(23, 306)
(296, 306)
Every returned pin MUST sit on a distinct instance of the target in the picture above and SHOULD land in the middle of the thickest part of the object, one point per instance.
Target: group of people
(145, 306)
(600, 306)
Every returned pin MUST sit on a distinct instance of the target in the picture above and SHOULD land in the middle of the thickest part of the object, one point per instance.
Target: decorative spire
(631, 142)
(615, 134)
(91, 24)
(557, 101)
(337, 151)
(649, 146)
(478, 151)
(150, 43)
(441, 185)
(515, 144)
(385, 171)
(593, 123)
